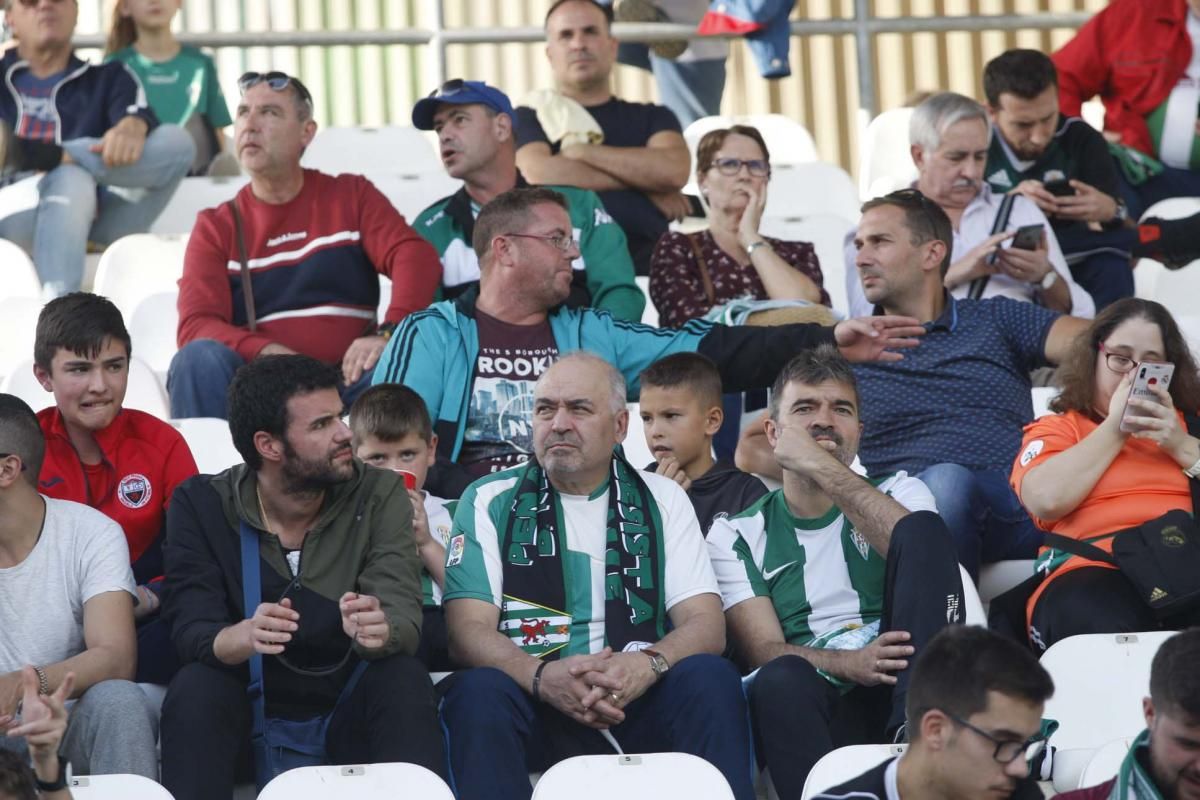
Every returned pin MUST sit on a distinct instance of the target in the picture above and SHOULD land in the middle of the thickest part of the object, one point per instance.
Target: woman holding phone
(1108, 461)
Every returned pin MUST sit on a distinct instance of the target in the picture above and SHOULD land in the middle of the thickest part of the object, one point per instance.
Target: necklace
(263, 511)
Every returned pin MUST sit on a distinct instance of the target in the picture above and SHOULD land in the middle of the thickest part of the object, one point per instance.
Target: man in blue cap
(474, 124)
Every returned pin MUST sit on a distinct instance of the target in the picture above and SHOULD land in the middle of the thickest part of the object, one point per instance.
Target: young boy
(121, 462)
(681, 412)
(392, 430)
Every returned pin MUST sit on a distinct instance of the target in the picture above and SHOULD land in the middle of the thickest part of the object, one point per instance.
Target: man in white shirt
(949, 139)
(66, 606)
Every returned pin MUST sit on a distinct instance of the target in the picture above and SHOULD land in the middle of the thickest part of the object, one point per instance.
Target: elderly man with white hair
(949, 144)
(579, 589)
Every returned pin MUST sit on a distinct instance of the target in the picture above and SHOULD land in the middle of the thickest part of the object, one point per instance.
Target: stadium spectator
(1062, 164)
(181, 82)
(67, 608)
(553, 667)
(338, 626)
(831, 583)
(42, 724)
(680, 404)
(1083, 474)
(949, 138)
(974, 724)
(951, 412)
(82, 157)
(1163, 761)
(474, 360)
(631, 154)
(292, 263)
(474, 124)
(392, 430)
(693, 273)
(122, 462)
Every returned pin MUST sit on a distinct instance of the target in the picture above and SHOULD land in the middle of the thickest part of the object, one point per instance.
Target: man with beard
(1164, 761)
(339, 620)
(949, 141)
(832, 583)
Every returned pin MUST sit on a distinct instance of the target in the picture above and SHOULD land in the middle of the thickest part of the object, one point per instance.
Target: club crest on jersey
(860, 543)
(134, 490)
(536, 629)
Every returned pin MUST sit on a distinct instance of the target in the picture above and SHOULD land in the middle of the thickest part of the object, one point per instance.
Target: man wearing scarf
(579, 589)
(1164, 761)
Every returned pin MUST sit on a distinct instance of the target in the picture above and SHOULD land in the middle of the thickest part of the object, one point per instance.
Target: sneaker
(646, 11)
(1173, 242)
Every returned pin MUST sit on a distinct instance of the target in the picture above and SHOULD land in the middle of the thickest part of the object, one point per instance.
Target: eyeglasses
(278, 81)
(6, 455)
(1007, 750)
(758, 167)
(452, 86)
(561, 241)
(1117, 362)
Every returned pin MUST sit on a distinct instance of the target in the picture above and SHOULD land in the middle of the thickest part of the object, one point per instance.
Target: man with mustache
(949, 139)
(578, 588)
(1164, 761)
(335, 632)
(832, 583)
(292, 263)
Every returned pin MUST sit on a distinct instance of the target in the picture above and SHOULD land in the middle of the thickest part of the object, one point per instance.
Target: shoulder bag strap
(709, 292)
(247, 288)
(1000, 224)
(251, 597)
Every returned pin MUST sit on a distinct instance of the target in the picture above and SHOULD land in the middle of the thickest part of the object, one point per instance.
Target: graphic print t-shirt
(499, 421)
(38, 118)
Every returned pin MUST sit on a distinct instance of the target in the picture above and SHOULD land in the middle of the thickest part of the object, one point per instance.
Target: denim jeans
(200, 373)
(691, 89)
(53, 215)
(985, 518)
(1172, 182)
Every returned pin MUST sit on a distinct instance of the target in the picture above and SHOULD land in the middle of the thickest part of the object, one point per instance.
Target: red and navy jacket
(90, 99)
(144, 459)
(314, 263)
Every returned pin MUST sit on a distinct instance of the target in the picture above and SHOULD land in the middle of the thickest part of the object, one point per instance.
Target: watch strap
(59, 784)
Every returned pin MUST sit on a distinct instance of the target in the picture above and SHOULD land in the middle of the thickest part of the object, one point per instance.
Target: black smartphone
(1028, 237)
(1059, 188)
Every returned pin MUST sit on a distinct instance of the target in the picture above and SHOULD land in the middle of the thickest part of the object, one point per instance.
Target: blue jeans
(1172, 182)
(496, 733)
(1106, 272)
(691, 89)
(985, 518)
(53, 215)
(199, 377)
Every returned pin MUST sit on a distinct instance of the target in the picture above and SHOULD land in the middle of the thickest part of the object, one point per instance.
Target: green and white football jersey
(474, 568)
(822, 576)
(440, 514)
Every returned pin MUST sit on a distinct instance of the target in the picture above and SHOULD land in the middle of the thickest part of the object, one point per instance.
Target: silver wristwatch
(657, 662)
(1048, 280)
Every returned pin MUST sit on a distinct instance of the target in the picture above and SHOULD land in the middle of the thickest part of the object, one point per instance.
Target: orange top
(1140, 484)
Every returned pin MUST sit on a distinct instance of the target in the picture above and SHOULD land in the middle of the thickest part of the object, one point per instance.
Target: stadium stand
(210, 442)
(137, 266)
(193, 196)
(149, 325)
(844, 763)
(20, 276)
(1105, 762)
(884, 163)
(362, 782)
(633, 777)
(817, 187)
(395, 149)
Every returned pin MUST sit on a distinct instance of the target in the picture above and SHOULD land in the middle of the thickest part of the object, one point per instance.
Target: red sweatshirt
(314, 265)
(1131, 53)
(144, 459)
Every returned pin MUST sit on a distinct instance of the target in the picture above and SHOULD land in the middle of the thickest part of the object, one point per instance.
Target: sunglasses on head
(452, 86)
(277, 81)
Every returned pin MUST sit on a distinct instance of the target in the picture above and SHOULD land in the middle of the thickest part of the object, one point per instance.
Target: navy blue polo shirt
(961, 396)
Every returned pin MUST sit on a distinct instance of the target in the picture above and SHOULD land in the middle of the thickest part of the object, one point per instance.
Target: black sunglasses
(277, 81)
(452, 86)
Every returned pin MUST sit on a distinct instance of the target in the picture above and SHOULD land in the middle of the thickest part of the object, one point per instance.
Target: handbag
(279, 744)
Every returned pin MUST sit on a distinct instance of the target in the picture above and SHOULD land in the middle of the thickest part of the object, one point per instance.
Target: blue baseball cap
(460, 92)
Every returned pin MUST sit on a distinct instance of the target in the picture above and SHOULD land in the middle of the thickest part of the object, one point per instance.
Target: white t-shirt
(80, 554)
(1179, 124)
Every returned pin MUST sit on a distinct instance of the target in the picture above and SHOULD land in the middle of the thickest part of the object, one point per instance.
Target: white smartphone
(1149, 374)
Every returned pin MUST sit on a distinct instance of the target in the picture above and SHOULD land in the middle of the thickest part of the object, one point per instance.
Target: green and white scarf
(1133, 782)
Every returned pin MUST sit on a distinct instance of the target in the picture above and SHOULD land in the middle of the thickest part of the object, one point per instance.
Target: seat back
(412, 192)
(19, 275)
(650, 776)
(1105, 763)
(210, 441)
(839, 766)
(18, 324)
(152, 330)
(827, 232)
(193, 196)
(361, 782)
(885, 161)
(139, 265)
(973, 612)
(143, 392)
(396, 148)
(798, 190)
(116, 787)
(1152, 280)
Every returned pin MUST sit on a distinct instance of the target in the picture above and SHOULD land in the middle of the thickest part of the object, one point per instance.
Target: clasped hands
(594, 689)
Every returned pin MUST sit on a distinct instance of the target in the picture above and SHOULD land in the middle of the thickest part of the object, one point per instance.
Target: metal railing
(862, 27)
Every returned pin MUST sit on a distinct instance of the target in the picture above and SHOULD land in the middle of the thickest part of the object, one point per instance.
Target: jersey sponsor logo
(134, 490)
(429, 222)
(1031, 451)
(768, 574)
(458, 546)
(286, 237)
(536, 629)
(1053, 175)
(999, 178)
(601, 218)
(860, 543)
(953, 602)
(55, 481)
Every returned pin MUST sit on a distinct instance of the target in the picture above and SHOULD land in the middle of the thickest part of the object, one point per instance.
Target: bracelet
(750, 248)
(43, 682)
(59, 783)
(537, 682)
(1194, 470)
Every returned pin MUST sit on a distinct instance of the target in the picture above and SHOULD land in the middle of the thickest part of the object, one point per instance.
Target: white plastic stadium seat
(885, 163)
(1105, 763)
(412, 192)
(1152, 280)
(18, 274)
(143, 391)
(363, 151)
(116, 787)
(362, 782)
(650, 311)
(637, 452)
(18, 323)
(839, 766)
(193, 196)
(813, 188)
(1042, 395)
(137, 266)
(210, 442)
(997, 578)
(650, 776)
(827, 232)
(152, 329)
(1189, 325)
(973, 613)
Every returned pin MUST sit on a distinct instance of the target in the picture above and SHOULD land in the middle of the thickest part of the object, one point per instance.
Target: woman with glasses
(692, 273)
(1081, 476)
